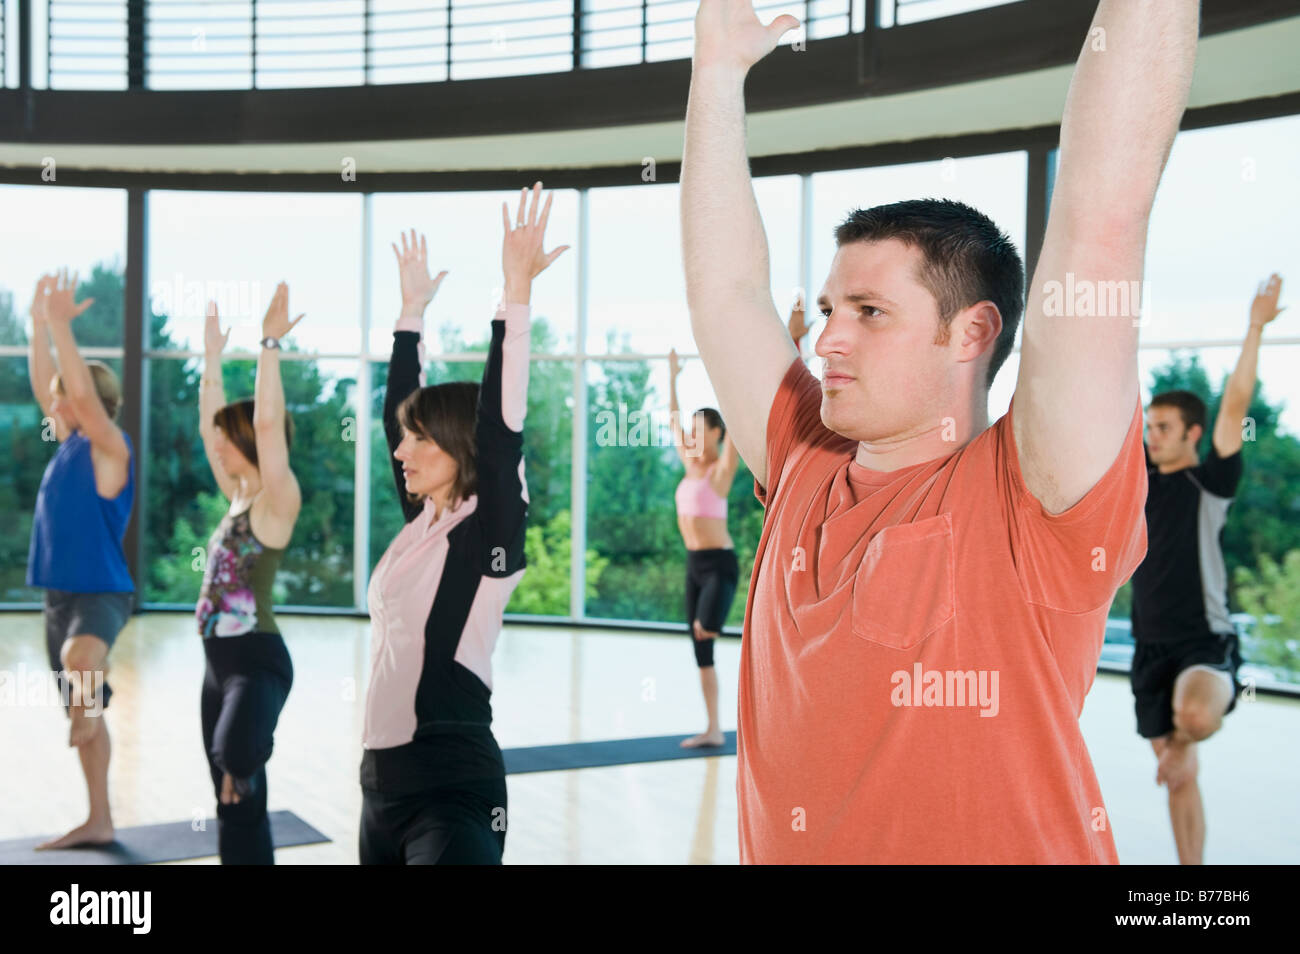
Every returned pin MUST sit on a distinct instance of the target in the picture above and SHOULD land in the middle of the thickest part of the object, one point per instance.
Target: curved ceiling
(1250, 63)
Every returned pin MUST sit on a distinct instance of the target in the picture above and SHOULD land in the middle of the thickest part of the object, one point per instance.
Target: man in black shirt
(1186, 656)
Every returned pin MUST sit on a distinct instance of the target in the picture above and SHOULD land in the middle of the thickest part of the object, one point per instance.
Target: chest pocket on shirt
(904, 590)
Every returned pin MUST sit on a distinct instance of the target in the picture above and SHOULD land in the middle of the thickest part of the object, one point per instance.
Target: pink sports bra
(697, 498)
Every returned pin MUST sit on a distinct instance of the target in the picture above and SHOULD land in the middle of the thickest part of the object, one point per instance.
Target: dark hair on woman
(446, 414)
(236, 422)
(712, 419)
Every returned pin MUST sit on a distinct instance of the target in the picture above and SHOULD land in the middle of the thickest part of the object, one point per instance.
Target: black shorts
(83, 614)
(1156, 666)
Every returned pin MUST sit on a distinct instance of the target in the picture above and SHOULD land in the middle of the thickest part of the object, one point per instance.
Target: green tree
(1271, 593)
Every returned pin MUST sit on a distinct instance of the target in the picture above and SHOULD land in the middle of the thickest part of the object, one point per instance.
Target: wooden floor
(557, 685)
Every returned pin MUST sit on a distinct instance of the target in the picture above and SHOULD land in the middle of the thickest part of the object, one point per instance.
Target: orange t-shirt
(917, 649)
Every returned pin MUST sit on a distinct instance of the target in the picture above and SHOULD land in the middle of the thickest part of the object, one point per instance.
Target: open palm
(1264, 308)
(522, 255)
(729, 33)
(418, 288)
(60, 304)
(276, 324)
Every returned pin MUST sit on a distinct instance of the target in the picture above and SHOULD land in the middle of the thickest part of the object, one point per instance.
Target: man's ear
(981, 323)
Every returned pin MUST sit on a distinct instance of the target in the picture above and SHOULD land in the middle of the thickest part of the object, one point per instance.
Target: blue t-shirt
(77, 534)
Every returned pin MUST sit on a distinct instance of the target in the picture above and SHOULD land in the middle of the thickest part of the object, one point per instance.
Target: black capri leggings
(711, 580)
(463, 824)
(244, 688)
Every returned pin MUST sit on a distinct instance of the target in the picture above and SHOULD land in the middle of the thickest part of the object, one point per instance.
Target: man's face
(885, 374)
(1169, 440)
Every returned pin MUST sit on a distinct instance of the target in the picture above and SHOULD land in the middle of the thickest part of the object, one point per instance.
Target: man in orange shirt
(930, 592)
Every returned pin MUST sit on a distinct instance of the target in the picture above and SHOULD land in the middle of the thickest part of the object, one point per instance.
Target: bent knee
(1197, 719)
(84, 654)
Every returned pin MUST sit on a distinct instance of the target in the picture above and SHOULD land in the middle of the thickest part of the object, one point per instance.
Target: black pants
(244, 688)
(711, 580)
(458, 825)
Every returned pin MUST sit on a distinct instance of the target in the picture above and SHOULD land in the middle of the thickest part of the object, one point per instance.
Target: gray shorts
(83, 614)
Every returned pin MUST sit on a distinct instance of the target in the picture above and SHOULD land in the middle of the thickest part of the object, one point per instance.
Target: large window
(598, 373)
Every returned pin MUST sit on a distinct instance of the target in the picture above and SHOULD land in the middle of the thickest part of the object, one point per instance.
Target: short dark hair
(712, 419)
(1190, 407)
(236, 422)
(447, 414)
(966, 259)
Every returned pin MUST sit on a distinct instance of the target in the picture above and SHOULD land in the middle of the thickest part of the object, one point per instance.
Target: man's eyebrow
(865, 294)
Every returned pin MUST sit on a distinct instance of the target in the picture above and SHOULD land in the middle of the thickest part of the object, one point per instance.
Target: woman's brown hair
(236, 422)
(446, 414)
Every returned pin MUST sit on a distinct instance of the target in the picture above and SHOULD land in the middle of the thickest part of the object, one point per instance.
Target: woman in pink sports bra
(712, 571)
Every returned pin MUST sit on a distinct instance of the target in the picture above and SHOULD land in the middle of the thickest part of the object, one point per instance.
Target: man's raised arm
(1077, 389)
(745, 347)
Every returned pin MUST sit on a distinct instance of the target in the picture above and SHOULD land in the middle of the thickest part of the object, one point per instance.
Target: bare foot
(228, 794)
(1177, 765)
(704, 739)
(91, 833)
(84, 727)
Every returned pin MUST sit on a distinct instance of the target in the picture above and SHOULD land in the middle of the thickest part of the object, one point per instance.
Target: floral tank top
(236, 594)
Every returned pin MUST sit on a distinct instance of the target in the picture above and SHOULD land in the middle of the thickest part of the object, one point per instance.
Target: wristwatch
(269, 342)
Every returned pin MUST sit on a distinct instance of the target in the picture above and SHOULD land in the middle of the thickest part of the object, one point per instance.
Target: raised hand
(276, 324)
(418, 288)
(1264, 308)
(522, 257)
(60, 304)
(728, 33)
(674, 364)
(39, 298)
(214, 342)
(797, 325)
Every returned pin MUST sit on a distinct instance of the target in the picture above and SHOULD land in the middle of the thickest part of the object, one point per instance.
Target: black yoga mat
(146, 844)
(575, 755)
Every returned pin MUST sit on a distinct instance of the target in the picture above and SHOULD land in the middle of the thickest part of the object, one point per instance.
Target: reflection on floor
(558, 685)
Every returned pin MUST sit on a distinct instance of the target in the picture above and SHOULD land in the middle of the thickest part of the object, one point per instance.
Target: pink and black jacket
(438, 593)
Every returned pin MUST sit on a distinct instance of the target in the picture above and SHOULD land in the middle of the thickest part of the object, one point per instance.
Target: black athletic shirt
(1180, 591)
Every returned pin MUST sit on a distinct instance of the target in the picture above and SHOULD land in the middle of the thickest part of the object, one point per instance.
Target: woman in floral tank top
(249, 673)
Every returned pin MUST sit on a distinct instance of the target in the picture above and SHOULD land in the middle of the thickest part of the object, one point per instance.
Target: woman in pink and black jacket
(432, 776)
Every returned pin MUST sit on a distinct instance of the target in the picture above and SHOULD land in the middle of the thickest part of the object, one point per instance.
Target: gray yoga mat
(575, 755)
(146, 844)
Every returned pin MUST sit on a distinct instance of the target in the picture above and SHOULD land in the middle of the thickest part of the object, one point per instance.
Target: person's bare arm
(1241, 383)
(1077, 390)
(737, 329)
(278, 481)
(212, 395)
(725, 473)
(40, 363)
(92, 420)
(674, 409)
